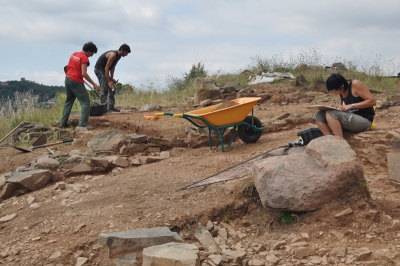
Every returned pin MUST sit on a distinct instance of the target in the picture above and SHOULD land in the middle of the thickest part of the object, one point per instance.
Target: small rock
(345, 212)
(55, 255)
(34, 205)
(305, 236)
(80, 261)
(257, 262)
(210, 225)
(30, 200)
(79, 227)
(278, 245)
(7, 217)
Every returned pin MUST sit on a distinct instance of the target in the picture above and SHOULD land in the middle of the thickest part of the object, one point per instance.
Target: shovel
(42, 146)
(95, 91)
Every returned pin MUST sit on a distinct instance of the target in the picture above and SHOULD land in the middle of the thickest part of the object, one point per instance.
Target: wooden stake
(11, 132)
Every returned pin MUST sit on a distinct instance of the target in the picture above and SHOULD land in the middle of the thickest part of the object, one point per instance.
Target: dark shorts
(349, 121)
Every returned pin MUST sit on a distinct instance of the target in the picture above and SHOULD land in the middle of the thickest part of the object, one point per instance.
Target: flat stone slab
(393, 166)
(8, 217)
(171, 254)
(134, 241)
(32, 180)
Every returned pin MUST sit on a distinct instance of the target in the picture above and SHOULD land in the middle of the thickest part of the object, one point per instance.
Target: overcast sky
(166, 37)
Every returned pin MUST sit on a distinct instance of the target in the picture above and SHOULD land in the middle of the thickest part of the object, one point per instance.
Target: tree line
(44, 92)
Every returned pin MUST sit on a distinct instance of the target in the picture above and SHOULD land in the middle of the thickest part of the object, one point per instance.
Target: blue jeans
(107, 96)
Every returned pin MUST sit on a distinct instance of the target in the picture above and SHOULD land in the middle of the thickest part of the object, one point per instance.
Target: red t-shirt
(74, 69)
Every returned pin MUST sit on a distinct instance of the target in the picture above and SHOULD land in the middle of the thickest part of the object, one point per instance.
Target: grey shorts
(349, 121)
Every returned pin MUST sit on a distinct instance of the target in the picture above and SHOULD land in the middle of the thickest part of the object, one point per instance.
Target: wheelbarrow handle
(159, 114)
(178, 115)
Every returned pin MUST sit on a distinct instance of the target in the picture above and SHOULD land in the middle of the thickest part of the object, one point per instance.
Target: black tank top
(102, 61)
(367, 113)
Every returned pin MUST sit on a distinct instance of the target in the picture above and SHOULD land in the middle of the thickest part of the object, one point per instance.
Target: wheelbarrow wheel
(248, 134)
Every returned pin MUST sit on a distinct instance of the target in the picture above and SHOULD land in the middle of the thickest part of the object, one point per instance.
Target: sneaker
(113, 109)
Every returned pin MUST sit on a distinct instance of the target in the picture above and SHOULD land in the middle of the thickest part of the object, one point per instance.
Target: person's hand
(347, 107)
(115, 81)
(110, 85)
(97, 87)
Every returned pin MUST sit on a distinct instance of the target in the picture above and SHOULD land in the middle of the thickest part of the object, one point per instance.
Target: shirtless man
(104, 70)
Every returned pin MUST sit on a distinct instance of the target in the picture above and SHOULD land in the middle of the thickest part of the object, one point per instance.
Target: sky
(167, 37)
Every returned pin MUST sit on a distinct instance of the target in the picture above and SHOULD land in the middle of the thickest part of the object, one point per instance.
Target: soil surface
(69, 221)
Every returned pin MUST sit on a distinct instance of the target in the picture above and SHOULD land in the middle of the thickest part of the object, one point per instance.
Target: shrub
(197, 71)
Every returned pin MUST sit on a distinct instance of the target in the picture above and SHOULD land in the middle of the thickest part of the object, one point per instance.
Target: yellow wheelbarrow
(218, 120)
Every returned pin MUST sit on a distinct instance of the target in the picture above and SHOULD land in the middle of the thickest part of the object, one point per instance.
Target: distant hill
(8, 88)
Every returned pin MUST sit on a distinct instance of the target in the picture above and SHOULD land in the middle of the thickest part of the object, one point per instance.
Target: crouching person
(356, 111)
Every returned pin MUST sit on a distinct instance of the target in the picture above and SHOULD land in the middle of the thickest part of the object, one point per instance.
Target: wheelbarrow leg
(209, 137)
(232, 137)
(219, 133)
(220, 136)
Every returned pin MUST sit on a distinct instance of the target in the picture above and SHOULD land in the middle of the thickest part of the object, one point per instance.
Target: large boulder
(306, 181)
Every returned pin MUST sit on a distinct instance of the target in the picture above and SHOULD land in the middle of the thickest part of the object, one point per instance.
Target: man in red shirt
(74, 85)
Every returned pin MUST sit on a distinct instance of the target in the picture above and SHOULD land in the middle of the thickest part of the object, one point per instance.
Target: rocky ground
(60, 225)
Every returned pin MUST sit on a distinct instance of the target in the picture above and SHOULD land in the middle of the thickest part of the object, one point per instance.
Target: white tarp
(268, 77)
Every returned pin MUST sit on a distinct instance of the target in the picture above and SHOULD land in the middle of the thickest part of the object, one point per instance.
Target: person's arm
(111, 57)
(88, 78)
(112, 75)
(359, 89)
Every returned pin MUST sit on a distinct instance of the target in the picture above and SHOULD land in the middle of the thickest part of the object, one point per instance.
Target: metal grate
(234, 172)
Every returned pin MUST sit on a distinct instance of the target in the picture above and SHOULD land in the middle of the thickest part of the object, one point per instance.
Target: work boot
(113, 109)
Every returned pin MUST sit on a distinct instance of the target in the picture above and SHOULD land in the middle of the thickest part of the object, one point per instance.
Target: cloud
(167, 37)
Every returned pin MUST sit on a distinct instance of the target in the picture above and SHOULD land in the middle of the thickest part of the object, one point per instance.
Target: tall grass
(26, 107)
(371, 70)
(154, 94)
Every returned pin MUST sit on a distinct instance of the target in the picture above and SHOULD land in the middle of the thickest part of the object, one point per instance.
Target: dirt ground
(70, 220)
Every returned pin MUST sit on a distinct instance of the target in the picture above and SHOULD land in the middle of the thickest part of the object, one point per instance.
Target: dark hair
(89, 47)
(125, 48)
(335, 81)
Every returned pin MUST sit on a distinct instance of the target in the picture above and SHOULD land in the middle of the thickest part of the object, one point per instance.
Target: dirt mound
(225, 104)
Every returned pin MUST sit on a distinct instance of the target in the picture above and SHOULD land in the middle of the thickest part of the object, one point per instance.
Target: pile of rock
(225, 244)
(132, 150)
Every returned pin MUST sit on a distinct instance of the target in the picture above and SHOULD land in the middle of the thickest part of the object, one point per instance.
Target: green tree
(197, 71)
(43, 92)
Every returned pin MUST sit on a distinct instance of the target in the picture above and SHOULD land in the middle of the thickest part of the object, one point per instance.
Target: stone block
(134, 241)
(171, 254)
(393, 159)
